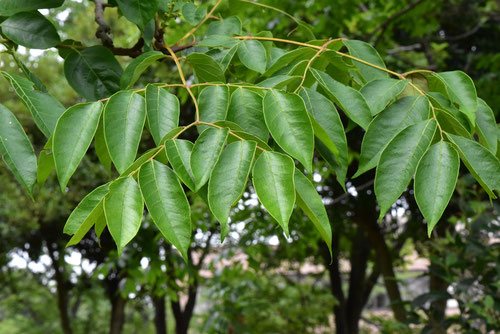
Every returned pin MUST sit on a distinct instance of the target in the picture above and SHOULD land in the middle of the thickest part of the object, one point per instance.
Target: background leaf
(206, 68)
(93, 72)
(253, 55)
(137, 11)
(137, 66)
(10, 7)
(30, 29)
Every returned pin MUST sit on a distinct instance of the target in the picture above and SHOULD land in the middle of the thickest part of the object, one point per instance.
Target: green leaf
(405, 112)
(311, 203)
(366, 52)
(45, 163)
(192, 13)
(123, 209)
(124, 117)
(435, 180)
(137, 66)
(460, 89)
(213, 104)
(101, 149)
(167, 204)
(137, 11)
(228, 26)
(145, 157)
(253, 55)
(248, 136)
(348, 99)
(16, 150)
(449, 123)
(45, 109)
(229, 179)
(486, 126)
(245, 110)
(88, 212)
(328, 129)
(216, 41)
(30, 29)
(399, 160)
(179, 155)
(481, 163)
(206, 152)
(288, 58)
(206, 68)
(280, 81)
(273, 179)
(10, 7)
(380, 93)
(287, 120)
(94, 72)
(162, 110)
(72, 138)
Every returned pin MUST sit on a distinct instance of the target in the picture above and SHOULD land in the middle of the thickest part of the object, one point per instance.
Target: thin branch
(103, 30)
(380, 30)
(209, 15)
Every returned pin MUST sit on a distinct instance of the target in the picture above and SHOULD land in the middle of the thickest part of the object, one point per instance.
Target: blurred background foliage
(258, 281)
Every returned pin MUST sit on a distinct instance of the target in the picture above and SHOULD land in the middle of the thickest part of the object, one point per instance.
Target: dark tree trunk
(183, 316)
(160, 315)
(62, 286)
(117, 314)
(360, 252)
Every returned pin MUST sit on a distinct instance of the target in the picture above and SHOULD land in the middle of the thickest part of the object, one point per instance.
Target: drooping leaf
(217, 41)
(10, 7)
(380, 93)
(206, 68)
(123, 209)
(144, 158)
(206, 152)
(405, 112)
(435, 180)
(287, 120)
(328, 129)
(45, 109)
(280, 81)
(450, 124)
(16, 150)
(138, 66)
(30, 29)
(167, 204)
(482, 164)
(179, 155)
(486, 126)
(288, 58)
(124, 117)
(311, 203)
(348, 99)
(213, 104)
(137, 11)
(253, 55)
(229, 179)
(366, 52)
(461, 90)
(73, 135)
(273, 179)
(246, 110)
(399, 160)
(84, 216)
(94, 72)
(162, 110)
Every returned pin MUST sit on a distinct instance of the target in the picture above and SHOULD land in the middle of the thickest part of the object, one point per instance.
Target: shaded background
(257, 281)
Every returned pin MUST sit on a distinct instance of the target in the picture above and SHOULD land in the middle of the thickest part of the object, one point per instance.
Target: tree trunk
(183, 316)
(160, 315)
(117, 314)
(360, 252)
(61, 286)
